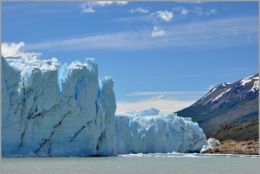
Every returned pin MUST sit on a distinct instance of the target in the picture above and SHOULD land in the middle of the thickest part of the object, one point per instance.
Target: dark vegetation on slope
(239, 131)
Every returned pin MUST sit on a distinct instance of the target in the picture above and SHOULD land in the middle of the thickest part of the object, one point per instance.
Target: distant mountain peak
(246, 80)
(226, 102)
(225, 90)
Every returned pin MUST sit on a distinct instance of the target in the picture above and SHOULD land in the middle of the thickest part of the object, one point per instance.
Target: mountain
(225, 103)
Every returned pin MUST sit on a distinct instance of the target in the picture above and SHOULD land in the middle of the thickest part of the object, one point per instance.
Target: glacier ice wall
(49, 109)
(149, 131)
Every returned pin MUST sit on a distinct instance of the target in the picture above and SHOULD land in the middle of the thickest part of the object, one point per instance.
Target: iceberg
(150, 131)
(49, 109)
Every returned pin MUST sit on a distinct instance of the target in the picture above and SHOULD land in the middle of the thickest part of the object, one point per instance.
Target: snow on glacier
(150, 131)
(49, 109)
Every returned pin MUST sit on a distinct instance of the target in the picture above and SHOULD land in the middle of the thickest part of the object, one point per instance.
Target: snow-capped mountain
(227, 92)
(226, 103)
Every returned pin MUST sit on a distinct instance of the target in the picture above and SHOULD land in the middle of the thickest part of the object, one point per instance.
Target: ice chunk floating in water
(49, 109)
(150, 131)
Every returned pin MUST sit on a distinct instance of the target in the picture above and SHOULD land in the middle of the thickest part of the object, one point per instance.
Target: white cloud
(14, 49)
(122, 2)
(213, 11)
(169, 95)
(165, 15)
(165, 101)
(190, 2)
(182, 10)
(200, 11)
(140, 10)
(88, 6)
(103, 3)
(225, 8)
(159, 93)
(133, 19)
(211, 86)
(157, 32)
(211, 33)
(165, 106)
(156, 97)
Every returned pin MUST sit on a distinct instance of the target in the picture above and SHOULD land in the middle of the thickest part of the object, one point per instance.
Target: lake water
(135, 163)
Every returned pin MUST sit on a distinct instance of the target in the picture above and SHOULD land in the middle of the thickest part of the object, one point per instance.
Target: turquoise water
(135, 163)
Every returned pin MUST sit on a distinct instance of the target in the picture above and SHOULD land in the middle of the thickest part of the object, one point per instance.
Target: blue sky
(165, 55)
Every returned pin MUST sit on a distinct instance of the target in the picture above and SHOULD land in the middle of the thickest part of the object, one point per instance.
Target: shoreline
(144, 155)
(250, 147)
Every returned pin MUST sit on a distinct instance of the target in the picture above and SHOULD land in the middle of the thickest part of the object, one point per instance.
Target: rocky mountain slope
(225, 103)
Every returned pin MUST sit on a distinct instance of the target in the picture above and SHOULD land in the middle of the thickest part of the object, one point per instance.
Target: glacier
(51, 109)
(150, 131)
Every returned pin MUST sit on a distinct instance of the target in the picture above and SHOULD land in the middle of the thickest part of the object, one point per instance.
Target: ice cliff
(149, 131)
(49, 109)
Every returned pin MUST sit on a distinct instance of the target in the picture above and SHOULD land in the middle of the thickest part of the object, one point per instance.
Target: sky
(165, 55)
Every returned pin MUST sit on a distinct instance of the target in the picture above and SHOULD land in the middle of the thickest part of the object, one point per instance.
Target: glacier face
(49, 109)
(149, 131)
